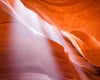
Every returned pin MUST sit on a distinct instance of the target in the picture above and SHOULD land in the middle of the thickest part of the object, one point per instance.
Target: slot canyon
(49, 40)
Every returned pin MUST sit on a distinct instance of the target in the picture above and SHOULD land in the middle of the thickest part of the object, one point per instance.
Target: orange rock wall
(78, 17)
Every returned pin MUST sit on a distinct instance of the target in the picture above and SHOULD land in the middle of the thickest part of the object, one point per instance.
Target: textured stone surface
(82, 15)
(79, 17)
(25, 55)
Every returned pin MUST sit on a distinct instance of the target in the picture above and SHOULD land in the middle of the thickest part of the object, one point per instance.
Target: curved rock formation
(78, 21)
(78, 16)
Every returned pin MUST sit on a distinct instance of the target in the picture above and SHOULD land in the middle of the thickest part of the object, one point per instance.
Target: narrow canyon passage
(49, 40)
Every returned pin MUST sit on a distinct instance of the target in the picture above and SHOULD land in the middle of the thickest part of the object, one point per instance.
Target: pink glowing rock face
(31, 50)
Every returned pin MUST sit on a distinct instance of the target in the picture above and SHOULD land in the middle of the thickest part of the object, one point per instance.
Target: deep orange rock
(17, 43)
(77, 17)
(81, 15)
(23, 52)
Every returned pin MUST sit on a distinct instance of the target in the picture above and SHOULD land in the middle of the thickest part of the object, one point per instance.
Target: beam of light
(24, 49)
(20, 19)
(55, 35)
(35, 27)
